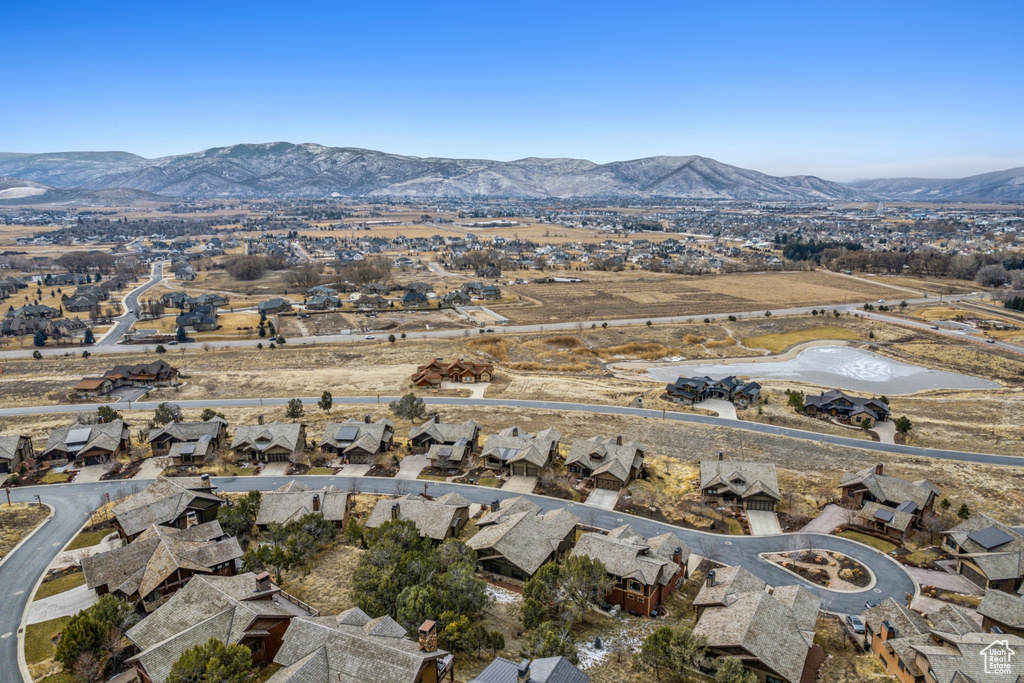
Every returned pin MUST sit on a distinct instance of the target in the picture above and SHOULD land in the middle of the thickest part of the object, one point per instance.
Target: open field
(17, 521)
(635, 294)
(780, 341)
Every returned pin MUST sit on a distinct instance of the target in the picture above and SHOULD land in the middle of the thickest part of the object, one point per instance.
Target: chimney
(395, 509)
(711, 578)
(495, 505)
(888, 630)
(515, 431)
(878, 468)
(721, 456)
(366, 419)
(262, 582)
(191, 519)
(428, 636)
(523, 671)
(205, 478)
(677, 555)
(259, 420)
(618, 440)
(436, 419)
(316, 502)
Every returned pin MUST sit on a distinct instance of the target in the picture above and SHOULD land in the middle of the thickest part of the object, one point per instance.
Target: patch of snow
(19, 192)
(503, 596)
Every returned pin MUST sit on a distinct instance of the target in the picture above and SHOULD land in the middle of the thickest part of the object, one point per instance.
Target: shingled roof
(294, 500)
(613, 456)
(1003, 607)
(891, 489)
(525, 539)
(350, 648)
(545, 670)
(141, 566)
(627, 554)
(433, 518)
(512, 445)
(442, 432)
(743, 479)
(74, 439)
(357, 435)
(188, 431)
(161, 502)
(260, 438)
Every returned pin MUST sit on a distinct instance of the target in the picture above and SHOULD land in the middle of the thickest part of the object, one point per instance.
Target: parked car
(172, 343)
(872, 603)
(935, 327)
(855, 623)
(370, 336)
(990, 341)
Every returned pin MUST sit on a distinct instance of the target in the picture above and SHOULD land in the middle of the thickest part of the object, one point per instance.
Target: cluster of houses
(691, 390)
(31, 318)
(460, 371)
(846, 408)
(377, 297)
(141, 375)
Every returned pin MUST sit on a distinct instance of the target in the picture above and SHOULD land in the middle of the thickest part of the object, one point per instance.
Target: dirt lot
(607, 295)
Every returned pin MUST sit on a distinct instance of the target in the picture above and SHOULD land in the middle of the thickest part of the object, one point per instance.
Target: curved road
(943, 454)
(123, 323)
(73, 504)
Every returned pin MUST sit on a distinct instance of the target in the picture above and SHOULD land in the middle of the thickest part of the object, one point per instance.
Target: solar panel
(990, 537)
(347, 433)
(80, 435)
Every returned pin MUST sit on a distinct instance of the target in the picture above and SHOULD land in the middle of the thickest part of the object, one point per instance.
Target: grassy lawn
(40, 648)
(923, 556)
(431, 477)
(489, 481)
(780, 341)
(87, 539)
(60, 585)
(52, 477)
(321, 470)
(735, 527)
(227, 470)
(17, 521)
(876, 543)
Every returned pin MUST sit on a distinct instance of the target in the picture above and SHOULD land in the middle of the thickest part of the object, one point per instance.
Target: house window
(772, 679)
(635, 586)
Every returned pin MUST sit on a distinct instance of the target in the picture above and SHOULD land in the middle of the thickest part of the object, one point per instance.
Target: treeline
(812, 251)
(989, 269)
(1014, 304)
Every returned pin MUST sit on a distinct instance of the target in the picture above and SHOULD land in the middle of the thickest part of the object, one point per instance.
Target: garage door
(760, 505)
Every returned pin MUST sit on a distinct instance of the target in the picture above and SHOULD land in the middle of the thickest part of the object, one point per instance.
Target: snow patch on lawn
(503, 596)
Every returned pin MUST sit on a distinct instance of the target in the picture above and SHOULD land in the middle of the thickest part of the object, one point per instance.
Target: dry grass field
(636, 294)
(17, 521)
(778, 342)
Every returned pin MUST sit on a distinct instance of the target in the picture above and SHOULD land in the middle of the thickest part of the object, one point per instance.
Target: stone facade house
(846, 408)
(890, 505)
(178, 502)
(515, 541)
(437, 519)
(646, 571)
(989, 553)
(518, 452)
(610, 463)
(14, 450)
(434, 432)
(162, 438)
(294, 500)
(690, 390)
(752, 485)
(358, 442)
(89, 444)
(274, 442)
(160, 561)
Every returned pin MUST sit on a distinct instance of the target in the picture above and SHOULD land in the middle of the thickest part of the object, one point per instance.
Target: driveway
(520, 484)
(603, 498)
(274, 469)
(151, 468)
(63, 604)
(92, 473)
(128, 394)
(826, 521)
(351, 470)
(411, 466)
(944, 581)
(725, 410)
(476, 390)
(886, 431)
(763, 523)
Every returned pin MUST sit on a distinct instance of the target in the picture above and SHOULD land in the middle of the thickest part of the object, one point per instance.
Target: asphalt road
(73, 503)
(112, 347)
(962, 456)
(123, 323)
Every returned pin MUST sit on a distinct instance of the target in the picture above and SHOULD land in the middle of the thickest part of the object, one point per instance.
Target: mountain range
(285, 170)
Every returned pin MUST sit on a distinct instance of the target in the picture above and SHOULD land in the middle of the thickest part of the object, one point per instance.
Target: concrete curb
(22, 664)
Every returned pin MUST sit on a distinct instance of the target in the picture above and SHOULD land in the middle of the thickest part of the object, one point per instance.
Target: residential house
(989, 553)
(520, 453)
(690, 390)
(437, 519)
(14, 450)
(482, 290)
(353, 648)
(888, 504)
(200, 319)
(192, 453)
(185, 273)
(544, 670)
(323, 303)
(449, 456)
(433, 431)
(752, 485)
(946, 646)
(852, 409)
(320, 290)
(771, 631)
(371, 302)
(93, 387)
(275, 305)
(274, 442)
(162, 438)
(610, 463)
(80, 303)
(1002, 612)
(413, 299)
(516, 544)
(160, 561)
(237, 610)
(178, 502)
(461, 371)
(156, 374)
(456, 297)
(646, 571)
(488, 272)
(358, 441)
(294, 500)
(88, 444)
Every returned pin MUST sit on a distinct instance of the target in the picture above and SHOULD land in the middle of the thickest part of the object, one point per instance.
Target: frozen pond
(835, 366)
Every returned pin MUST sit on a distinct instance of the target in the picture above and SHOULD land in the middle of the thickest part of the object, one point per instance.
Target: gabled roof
(357, 435)
(509, 506)
(631, 556)
(293, 501)
(546, 670)
(105, 436)
(188, 431)
(263, 437)
(891, 489)
(161, 502)
(433, 518)
(9, 446)
(524, 539)
(442, 432)
(607, 456)
(1003, 607)
(743, 479)
(514, 445)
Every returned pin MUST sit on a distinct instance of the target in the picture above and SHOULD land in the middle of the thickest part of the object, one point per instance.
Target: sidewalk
(64, 604)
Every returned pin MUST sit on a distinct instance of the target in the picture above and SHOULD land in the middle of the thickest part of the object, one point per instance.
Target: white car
(370, 336)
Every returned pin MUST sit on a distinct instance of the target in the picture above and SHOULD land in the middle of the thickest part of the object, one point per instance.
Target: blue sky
(841, 90)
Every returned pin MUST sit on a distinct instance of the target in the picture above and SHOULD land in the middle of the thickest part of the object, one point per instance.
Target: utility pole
(8, 495)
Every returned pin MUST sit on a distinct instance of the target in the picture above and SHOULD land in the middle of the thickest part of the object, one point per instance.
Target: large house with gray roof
(358, 441)
(515, 541)
(178, 502)
(353, 648)
(1002, 612)
(14, 450)
(843, 406)
(89, 444)
(295, 500)
(646, 571)
(162, 438)
(690, 390)
(274, 442)
(890, 505)
(437, 519)
(989, 553)
(611, 463)
(236, 610)
(542, 670)
(752, 485)
(434, 432)
(160, 561)
(518, 452)
(770, 630)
